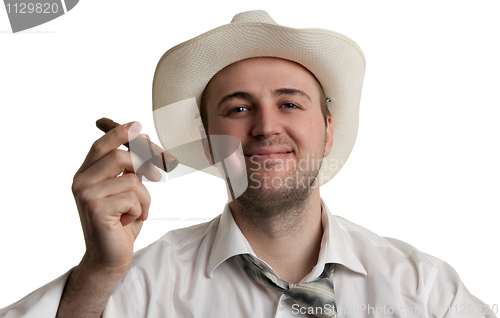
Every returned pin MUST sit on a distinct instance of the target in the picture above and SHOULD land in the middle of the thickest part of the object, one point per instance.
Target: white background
(425, 168)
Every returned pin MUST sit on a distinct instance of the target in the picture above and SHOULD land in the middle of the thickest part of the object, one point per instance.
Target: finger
(135, 227)
(149, 171)
(111, 165)
(146, 136)
(144, 167)
(136, 212)
(111, 214)
(125, 183)
(110, 141)
(117, 210)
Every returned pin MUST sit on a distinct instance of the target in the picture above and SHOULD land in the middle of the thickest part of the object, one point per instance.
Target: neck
(288, 237)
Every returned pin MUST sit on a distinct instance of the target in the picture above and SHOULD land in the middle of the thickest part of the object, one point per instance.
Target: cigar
(144, 148)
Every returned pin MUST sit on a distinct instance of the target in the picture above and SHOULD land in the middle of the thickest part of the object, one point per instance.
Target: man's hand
(111, 200)
(112, 203)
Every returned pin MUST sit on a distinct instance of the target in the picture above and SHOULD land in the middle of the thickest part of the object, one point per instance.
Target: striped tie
(316, 297)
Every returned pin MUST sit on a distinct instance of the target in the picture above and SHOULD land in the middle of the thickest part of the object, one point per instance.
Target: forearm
(87, 292)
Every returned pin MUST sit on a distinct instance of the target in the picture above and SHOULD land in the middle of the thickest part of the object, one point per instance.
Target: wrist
(88, 290)
(89, 266)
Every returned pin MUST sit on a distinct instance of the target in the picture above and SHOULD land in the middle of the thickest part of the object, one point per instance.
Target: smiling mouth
(269, 154)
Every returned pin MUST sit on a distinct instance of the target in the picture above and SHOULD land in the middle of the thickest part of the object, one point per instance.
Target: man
(290, 97)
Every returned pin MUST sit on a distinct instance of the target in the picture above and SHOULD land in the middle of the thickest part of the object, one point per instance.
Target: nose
(267, 122)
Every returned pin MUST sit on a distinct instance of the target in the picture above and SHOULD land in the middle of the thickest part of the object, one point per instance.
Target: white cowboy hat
(183, 72)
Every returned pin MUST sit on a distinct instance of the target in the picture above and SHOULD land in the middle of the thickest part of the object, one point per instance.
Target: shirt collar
(229, 241)
(337, 248)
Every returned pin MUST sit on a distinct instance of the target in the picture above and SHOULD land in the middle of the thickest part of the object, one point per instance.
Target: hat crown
(253, 16)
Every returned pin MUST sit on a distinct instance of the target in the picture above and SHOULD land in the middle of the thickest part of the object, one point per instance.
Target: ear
(328, 136)
(206, 145)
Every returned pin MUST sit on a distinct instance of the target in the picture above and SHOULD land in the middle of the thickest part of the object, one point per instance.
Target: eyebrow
(278, 92)
(239, 94)
(291, 91)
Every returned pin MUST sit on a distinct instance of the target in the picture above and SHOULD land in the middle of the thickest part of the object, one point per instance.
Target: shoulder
(390, 257)
(360, 237)
(395, 268)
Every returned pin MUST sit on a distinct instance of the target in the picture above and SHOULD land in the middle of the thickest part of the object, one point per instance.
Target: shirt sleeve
(110, 310)
(42, 303)
(125, 300)
(449, 298)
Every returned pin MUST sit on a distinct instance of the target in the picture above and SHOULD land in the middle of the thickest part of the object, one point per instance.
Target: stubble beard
(278, 208)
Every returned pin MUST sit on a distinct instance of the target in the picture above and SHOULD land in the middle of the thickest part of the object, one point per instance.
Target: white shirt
(190, 272)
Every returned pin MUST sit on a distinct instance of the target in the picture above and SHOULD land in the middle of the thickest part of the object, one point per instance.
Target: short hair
(323, 100)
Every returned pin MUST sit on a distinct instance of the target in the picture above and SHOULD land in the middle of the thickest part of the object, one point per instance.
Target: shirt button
(281, 308)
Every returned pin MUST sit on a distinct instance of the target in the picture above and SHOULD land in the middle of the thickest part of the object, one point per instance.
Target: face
(273, 107)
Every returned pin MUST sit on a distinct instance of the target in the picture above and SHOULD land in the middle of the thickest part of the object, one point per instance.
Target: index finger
(110, 141)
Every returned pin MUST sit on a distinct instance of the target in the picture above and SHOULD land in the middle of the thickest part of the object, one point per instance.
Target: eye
(238, 109)
(289, 105)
